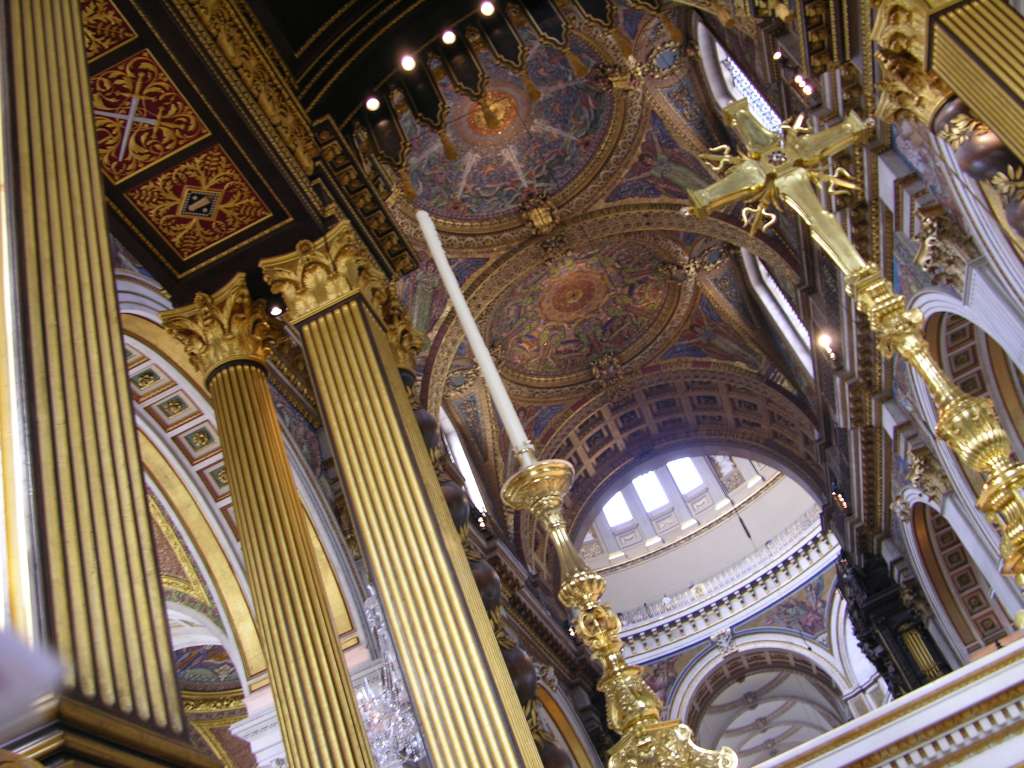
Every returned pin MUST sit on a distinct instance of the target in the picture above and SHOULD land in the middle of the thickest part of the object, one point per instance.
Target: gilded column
(98, 597)
(347, 315)
(226, 338)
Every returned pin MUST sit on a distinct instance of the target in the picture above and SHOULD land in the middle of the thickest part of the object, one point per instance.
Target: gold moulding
(633, 708)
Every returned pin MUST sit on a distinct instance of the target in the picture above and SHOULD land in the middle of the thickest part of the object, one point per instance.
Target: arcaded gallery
(512, 384)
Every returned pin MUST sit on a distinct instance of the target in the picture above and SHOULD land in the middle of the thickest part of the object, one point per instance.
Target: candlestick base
(633, 708)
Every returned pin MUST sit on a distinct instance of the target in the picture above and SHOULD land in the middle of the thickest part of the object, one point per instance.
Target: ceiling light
(276, 310)
(616, 555)
(373, 103)
(652, 541)
(688, 523)
(447, 37)
(487, 8)
(408, 63)
(723, 503)
(808, 90)
(825, 343)
(799, 79)
(777, 56)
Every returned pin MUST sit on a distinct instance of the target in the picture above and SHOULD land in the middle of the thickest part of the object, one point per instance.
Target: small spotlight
(408, 63)
(807, 90)
(799, 79)
(487, 8)
(448, 37)
(373, 103)
(825, 343)
(276, 310)
(777, 56)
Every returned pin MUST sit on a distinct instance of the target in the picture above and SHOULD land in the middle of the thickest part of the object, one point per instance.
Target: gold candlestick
(785, 170)
(633, 708)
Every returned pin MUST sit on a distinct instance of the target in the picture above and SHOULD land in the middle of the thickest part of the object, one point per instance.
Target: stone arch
(768, 695)
(562, 720)
(959, 589)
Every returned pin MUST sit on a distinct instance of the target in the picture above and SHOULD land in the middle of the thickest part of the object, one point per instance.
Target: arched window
(775, 302)
(457, 451)
(728, 82)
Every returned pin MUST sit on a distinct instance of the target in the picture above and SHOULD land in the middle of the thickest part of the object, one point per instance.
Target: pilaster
(226, 336)
(352, 327)
(94, 572)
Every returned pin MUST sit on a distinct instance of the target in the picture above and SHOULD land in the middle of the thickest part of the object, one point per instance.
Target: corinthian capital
(216, 329)
(317, 274)
(908, 90)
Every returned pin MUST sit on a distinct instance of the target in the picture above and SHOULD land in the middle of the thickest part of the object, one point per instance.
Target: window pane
(616, 511)
(685, 473)
(741, 88)
(783, 301)
(458, 453)
(649, 489)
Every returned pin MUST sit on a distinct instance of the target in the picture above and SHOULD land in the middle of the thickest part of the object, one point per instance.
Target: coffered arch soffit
(691, 407)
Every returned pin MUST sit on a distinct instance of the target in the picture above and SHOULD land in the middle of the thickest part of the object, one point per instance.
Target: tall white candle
(495, 386)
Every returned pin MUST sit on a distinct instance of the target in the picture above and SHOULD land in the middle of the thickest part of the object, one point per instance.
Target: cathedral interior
(545, 383)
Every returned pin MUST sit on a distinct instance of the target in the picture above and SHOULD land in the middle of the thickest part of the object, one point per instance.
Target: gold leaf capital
(220, 327)
(317, 274)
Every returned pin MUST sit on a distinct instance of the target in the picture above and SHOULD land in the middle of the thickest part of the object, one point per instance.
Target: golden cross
(776, 170)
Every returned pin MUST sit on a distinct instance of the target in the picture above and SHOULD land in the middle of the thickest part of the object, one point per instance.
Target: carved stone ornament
(927, 476)
(944, 251)
(220, 327)
(901, 509)
(318, 273)
(908, 90)
(540, 213)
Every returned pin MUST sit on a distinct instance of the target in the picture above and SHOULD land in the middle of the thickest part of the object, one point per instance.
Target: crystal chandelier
(391, 726)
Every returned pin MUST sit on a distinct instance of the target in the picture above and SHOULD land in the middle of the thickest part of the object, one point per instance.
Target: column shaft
(320, 723)
(99, 590)
(464, 698)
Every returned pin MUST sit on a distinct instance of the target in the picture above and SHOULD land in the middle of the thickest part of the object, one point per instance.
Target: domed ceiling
(554, 323)
(534, 135)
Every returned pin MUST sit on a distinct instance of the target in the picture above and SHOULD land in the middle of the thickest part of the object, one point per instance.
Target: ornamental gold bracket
(634, 710)
(789, 170)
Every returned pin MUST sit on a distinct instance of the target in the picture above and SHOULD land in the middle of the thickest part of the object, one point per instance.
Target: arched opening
(964, 596)
(762, 703)
(979, 366)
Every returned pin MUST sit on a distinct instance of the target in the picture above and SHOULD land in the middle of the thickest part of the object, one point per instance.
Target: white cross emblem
(130, 119)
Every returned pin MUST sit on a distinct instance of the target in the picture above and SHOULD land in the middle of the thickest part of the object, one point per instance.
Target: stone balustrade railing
(739, 591)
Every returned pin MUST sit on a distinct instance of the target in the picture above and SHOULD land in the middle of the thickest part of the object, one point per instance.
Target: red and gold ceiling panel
(106, 29)
(141, 117)
(199, 203)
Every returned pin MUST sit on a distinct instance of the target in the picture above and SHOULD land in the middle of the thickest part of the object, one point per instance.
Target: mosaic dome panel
(543, 135)
(556, 321)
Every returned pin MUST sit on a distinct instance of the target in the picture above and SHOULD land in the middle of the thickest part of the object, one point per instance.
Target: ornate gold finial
(909, 91)
(633, 708)
(318, 274)
(220, 327)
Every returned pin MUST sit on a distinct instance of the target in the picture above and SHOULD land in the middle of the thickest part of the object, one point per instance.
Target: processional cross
(772, 171)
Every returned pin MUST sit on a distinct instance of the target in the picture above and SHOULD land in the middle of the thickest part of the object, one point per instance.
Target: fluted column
(93, 589)
(225, 336)
(347, 315)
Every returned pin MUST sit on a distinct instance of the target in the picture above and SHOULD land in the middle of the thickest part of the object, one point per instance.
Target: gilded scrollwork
(141, 116)
(104, 27)
(199, 202)
(240, 44)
